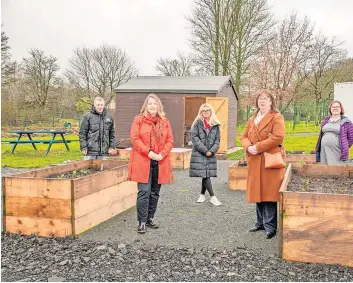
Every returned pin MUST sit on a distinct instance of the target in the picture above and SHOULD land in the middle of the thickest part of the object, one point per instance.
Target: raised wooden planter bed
(300, 157)
(316, 227)
(36, 203)
(238, 174)
(180, 157)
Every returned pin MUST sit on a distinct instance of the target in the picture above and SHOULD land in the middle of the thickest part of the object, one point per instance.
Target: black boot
(256, 228)
(142, 228)
(151, 224)
(270, 235)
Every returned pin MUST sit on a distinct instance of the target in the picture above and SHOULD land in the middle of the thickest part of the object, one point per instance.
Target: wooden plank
(44, 173)
(124, 153)
(73, 208)
(46, 227)
(177, 160)
(98, 181)
(300, 157)
(327, 206)
(103, 198)
(286, 179)
(318, 240)
(220, 106)
(38, 207)
(180, 158)
(187, 160)
(108, 164)
(104, 213)
(318, 227)
(239, 184)
(3, 222)
(316, 170)
(41, 188)
(285, 182)
(237, 177)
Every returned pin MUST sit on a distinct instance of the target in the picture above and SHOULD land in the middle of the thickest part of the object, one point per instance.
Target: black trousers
(148, 195)
(266, 215)
(207, 185)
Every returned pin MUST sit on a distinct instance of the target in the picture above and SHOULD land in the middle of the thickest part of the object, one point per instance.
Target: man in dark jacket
(97, 135)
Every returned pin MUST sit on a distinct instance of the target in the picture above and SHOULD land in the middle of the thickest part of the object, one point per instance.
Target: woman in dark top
(205, 134)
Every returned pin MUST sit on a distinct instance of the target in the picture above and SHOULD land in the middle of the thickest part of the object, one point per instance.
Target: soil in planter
(329, 184)
(74, 174)
(242, 164)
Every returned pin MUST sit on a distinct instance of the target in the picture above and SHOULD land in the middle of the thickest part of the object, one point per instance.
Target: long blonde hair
(213, 118)
(160, 111)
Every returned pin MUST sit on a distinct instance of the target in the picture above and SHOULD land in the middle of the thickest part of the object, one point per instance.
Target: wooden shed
(181, 97)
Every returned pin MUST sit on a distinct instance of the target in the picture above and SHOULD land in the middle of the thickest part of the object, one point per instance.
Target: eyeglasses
(335, 107)
(263, 99)
(204, 111)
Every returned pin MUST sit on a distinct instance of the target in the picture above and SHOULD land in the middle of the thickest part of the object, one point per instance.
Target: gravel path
(185, 223)
(196, 242)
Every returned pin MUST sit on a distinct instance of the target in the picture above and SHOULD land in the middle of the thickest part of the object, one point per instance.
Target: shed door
(220, 106)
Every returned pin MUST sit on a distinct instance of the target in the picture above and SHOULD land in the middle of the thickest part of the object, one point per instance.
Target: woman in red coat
(150, 165)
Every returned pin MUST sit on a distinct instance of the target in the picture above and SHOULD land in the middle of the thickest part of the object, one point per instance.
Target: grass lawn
(26, 157)
(302, 127)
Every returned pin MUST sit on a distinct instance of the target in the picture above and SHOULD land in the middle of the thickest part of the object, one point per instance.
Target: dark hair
(270, 96)
(336, 101)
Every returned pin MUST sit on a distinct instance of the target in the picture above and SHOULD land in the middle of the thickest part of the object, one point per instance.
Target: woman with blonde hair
(264, 133)
(205, 134)
(150, 165)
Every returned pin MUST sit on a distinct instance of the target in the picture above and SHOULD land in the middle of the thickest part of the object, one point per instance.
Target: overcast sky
(145, 29)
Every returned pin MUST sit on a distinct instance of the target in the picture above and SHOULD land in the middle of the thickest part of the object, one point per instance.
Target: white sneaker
(201, 198)
(215, 201)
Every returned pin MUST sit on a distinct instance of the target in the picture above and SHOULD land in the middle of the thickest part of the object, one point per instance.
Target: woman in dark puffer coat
(205, 134)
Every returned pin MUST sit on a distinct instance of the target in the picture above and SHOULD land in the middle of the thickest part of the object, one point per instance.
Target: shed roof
(169, 84)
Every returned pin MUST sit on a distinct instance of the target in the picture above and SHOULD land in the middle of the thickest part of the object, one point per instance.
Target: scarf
(156, 133)
(259, 117)
(207, 125)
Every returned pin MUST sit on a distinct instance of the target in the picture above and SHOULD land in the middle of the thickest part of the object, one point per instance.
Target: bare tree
(323, 69)
(286, 56)
(99, 71)
(180, 66)
(5, 48)
(345, 70)
(39, 76)
(7, 67)
(207, 19)
(253, 23)
(226, 34)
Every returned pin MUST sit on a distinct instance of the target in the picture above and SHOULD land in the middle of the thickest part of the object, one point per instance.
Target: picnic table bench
(50, 142)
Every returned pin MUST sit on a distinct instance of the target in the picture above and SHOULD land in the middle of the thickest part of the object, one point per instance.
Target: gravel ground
(38, 259)
(331, 185)
(189, 224)
(196, 242)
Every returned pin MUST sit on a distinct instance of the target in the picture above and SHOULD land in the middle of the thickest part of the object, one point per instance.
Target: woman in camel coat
(264, 132)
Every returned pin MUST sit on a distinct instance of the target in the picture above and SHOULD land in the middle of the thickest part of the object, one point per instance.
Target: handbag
(274, 160)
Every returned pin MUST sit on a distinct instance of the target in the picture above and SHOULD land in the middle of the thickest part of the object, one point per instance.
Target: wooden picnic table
(29, 133)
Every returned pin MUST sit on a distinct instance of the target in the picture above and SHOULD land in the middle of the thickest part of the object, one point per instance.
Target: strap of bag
(281, 145)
